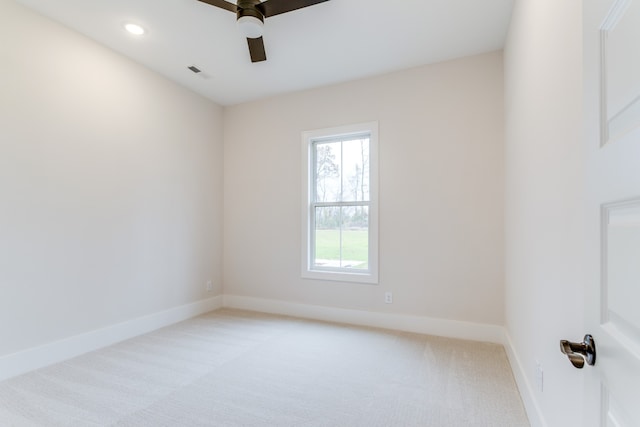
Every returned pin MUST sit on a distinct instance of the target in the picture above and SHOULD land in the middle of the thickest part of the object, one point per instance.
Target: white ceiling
(331, 42)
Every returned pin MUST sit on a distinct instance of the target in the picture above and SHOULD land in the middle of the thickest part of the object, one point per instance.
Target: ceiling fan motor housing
(248, 8)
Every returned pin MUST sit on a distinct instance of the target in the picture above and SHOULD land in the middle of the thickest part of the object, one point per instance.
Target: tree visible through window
(340, 204)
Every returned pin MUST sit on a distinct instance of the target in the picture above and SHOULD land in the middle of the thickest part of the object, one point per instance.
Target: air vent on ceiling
(198, 72)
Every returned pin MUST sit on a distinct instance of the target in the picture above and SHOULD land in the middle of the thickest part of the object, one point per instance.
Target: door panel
(621, 270)
(615, 416)
(620, 316)
(612, 126)
(620, 69)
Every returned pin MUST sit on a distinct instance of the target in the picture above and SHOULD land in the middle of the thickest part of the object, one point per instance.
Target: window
(340, 210)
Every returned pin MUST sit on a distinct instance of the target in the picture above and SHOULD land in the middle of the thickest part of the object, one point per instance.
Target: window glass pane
(342, 237)
(327, 171)
(355, 237)
(355, 172)
(327, 237)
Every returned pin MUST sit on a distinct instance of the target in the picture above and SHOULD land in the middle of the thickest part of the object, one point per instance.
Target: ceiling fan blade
(256, 49)
(276, 7)
(222, 4)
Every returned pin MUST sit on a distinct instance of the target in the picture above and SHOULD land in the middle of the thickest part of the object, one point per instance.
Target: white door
(612, 123)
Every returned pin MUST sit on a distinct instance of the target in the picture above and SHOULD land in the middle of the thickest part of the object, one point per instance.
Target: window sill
(335, 276)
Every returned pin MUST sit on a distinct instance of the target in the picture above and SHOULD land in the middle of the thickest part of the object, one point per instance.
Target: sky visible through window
(342, 170)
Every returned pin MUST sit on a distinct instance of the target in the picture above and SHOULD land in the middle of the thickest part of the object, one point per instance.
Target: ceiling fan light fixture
(251, 26)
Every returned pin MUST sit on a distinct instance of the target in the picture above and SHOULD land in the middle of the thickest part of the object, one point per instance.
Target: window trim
(308, 138)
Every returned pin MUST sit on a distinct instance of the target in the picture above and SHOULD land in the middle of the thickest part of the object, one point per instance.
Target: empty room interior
(316, 213)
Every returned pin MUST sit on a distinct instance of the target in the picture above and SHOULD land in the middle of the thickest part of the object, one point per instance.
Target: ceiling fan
(250, 17)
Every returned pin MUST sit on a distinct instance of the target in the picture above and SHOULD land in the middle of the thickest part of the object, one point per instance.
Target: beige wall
(544, 203)
(441, 191)
(112, 189)
(110, 186)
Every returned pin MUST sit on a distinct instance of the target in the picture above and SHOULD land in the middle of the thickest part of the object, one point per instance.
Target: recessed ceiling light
(134, 29)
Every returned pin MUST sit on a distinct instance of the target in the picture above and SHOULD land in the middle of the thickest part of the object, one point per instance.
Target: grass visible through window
(355, 248)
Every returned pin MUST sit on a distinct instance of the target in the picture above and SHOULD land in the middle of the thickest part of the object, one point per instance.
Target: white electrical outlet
(388, 297)
(539, 377)
(209, 286)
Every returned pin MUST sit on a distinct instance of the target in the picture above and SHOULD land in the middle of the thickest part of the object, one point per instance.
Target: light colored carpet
(235, 368)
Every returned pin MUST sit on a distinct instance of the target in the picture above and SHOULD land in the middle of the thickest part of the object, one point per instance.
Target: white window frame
(339, 274)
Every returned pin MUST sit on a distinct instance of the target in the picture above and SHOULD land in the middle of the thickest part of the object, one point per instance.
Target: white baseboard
(417, 324)
(34, 358)
(524, 386)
